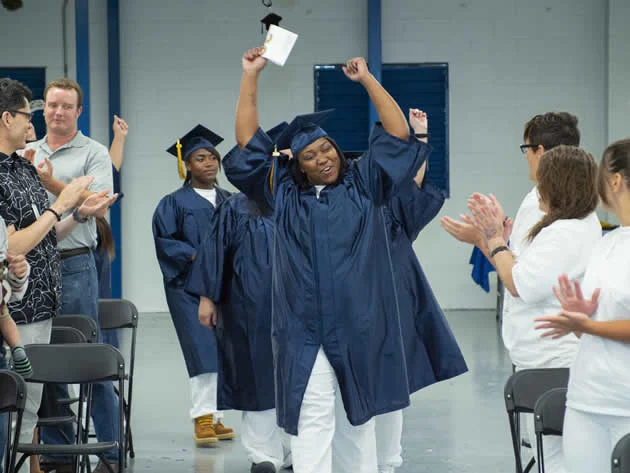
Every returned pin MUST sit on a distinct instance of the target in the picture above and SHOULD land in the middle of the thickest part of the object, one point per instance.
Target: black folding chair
(114, 314)
(521, 392)
(83, 364)
(621, 455)
(85, 324)
(63, 335)
(549, 418)
(52, 413)
(12, 400)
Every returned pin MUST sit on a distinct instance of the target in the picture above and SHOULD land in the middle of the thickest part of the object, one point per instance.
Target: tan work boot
(205, 435)
(223, 433)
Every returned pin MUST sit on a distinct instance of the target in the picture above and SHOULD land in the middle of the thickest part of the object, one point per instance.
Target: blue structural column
(82, 28)
(375, 57)
(113, 44)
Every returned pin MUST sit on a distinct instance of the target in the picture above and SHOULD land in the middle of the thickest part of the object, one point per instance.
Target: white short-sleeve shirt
(564, 247)
(600, 375)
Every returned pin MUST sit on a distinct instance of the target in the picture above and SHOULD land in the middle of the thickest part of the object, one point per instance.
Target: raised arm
(247, 106)
(117, 147)
(389, 113)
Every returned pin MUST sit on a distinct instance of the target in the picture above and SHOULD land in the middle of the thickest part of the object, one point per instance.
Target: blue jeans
(104, 272)
(4, 417)
(80, 296)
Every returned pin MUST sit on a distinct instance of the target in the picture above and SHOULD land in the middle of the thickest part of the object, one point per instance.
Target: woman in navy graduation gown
(180, 223)
(334, 311)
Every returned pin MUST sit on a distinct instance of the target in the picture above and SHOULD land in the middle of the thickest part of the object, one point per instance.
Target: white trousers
(203, 393)
(552, 447)
(326, 440)
(388, 441)
(37, 332)
(263, 440)
(589, 439)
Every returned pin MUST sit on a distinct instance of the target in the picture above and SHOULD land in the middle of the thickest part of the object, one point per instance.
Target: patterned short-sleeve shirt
(22, 200)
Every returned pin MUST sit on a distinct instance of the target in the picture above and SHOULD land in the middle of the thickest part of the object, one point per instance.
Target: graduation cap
(270, 19)
(197, 138)
(302, 131)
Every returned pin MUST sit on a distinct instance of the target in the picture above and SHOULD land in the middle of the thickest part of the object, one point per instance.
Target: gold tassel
(180, 161)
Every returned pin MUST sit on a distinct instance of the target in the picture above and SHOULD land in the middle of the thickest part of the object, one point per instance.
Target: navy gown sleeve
(389, 164)
(173, 254)
(414, 207)
(254, 171)
(208, 270)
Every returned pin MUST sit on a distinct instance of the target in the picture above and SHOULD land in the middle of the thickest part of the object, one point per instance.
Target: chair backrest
(61, 335)
(621, 455)
(117, 313)
(75, 363)
(549, 412)
(83, 323)
(524, 387)
(12, 392)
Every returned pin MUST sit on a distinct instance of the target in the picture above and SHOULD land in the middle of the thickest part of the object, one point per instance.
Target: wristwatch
(77, 217)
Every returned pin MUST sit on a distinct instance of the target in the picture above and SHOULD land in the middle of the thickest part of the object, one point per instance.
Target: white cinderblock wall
(180, 65)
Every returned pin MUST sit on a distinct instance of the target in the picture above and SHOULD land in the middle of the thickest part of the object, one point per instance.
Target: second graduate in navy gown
(180, 223)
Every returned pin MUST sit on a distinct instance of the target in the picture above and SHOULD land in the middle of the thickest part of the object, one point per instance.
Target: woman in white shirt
(560, 242)
(598, 398)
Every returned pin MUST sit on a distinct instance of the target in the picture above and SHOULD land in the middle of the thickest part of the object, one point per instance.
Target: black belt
(73, 252)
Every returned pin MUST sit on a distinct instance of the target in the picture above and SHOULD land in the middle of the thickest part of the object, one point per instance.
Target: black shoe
(102, 468)
(264, 467)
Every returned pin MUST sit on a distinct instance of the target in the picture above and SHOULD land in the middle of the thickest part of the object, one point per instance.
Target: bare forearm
(116, 151)
(23, 241)
(65, 227)
(54, 186)
(617, 330)
(247, 109)
(503, 262)
(389, 112)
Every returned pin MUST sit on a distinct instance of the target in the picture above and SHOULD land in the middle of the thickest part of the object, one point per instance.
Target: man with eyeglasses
(34, 227)
(542, 133)
(62, 155)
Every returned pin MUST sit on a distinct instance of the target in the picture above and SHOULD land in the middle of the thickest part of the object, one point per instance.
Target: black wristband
(421, 135)
(499, 249)
(49, 209)
(77, 217)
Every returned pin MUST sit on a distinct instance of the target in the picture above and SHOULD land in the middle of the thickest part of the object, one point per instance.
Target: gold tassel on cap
(180, 161)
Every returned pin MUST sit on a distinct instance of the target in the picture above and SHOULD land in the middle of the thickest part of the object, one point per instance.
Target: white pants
(589, 439)
(263, 440)
(388, 441)
(203, 393)
(552, 447)
(326, 440)
(37, 332)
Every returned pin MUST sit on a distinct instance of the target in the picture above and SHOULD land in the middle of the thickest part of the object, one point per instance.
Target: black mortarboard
(271, 19)
(198, 138)
(302, 131)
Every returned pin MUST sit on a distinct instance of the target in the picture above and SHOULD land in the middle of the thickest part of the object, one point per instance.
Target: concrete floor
(456, 426)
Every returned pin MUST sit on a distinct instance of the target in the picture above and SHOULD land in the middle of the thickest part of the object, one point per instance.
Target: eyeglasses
(28, 115)
(524, 147)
